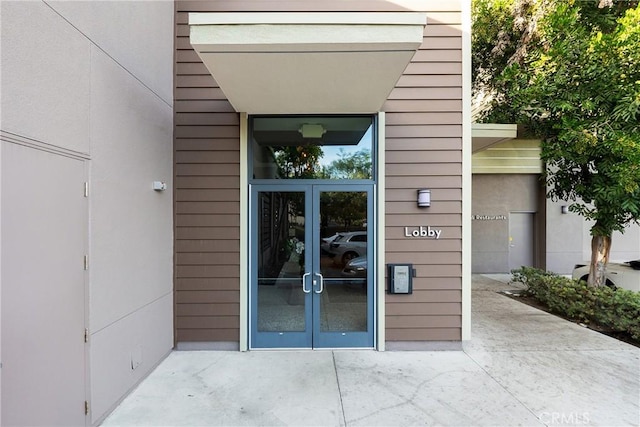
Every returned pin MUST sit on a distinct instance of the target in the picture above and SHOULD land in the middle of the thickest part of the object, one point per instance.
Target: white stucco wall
(564, 239)
(131, 230)
(135, 34)
(95, 79)
(624, 246)
(569, 240)
(45, 77)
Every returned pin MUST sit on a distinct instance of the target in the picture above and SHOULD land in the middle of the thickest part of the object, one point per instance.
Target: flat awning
(287, 63)
(484, 135)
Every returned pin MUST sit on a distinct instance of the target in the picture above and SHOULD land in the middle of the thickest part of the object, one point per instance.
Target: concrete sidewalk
(522, 367)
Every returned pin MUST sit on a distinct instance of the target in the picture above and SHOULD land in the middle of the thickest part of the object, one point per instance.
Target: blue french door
(311, 262)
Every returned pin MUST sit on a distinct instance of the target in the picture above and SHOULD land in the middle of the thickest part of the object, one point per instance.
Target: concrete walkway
(522, 367)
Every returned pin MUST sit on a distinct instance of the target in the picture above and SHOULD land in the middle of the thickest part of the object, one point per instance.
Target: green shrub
(617, 310)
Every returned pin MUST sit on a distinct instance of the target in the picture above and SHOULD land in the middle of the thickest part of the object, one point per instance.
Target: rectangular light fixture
(312, 131)
(424, 198)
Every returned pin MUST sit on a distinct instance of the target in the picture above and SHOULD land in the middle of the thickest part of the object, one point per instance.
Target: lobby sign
(423, 232)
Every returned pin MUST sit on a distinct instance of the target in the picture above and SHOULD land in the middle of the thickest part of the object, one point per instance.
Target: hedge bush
(617, 310)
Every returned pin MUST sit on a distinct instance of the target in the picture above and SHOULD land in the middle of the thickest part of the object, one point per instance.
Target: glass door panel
(310, 281)
(343, 301)
(281, 290)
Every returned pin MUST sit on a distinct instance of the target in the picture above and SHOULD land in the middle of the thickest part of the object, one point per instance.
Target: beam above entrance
(287, 63)
(487, 134)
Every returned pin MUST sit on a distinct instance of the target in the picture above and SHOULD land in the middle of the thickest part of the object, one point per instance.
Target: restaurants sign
(488, 217)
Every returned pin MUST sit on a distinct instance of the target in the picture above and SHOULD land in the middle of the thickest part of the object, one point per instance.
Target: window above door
(312, 147)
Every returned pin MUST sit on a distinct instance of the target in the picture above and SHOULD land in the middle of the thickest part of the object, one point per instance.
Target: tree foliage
(352, 165)
(584, 100)
(572, 76)
(349, 209)
(298, 161)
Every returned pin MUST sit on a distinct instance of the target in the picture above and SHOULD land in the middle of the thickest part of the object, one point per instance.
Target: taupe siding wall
(424, 149)
(207, 209)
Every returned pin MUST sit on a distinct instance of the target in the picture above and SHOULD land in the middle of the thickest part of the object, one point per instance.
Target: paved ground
(522, 367)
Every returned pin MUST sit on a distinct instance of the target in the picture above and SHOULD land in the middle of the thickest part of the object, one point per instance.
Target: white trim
(380, 214)
(466, 169)
(244, 234)
(494, 130)
(487, 135)
(306, 18)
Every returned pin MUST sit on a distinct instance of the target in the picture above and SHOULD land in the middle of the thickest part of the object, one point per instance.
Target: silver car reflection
(356, 268)
(348, 246)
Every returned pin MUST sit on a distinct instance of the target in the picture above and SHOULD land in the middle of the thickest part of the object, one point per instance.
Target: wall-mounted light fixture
(424, 198)
(564, 209)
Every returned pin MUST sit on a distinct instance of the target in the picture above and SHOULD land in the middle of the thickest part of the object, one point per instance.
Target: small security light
(159, 185)
(424, 198)
(564, 209)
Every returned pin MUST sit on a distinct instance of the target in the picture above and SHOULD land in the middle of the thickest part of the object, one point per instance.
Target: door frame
(312, 337)
(379, 272)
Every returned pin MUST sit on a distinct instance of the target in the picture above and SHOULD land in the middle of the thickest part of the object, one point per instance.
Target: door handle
(319, 291)
(304, 283)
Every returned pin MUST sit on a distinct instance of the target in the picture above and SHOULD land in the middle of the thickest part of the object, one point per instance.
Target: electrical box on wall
(400, 278)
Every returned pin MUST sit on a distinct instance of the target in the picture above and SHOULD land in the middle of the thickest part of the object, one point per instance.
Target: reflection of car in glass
(618, 275)
(326, 241)
(356, 268)
(348, 246)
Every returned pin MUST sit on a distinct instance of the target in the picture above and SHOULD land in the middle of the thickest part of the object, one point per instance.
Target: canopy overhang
(288, 63)
(485, 135)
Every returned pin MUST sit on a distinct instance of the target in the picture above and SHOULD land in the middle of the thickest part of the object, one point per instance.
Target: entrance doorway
(311, 232)
(310, 281)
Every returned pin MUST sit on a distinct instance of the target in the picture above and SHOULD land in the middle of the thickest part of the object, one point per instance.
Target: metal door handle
(304, 283)
(319, 291)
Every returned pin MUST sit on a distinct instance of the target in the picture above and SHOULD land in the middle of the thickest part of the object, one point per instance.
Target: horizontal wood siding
(424, 149)
(207, 200)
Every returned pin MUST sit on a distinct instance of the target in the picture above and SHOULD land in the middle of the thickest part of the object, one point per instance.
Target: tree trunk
(600, 249)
